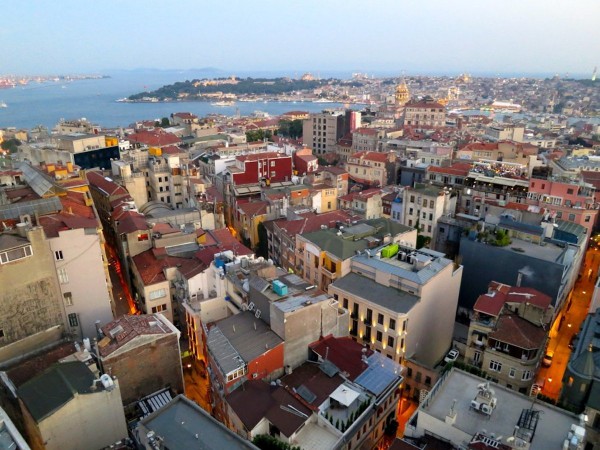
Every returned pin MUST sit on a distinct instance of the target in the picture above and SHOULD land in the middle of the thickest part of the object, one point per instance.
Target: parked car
(547, 360)
(451, 356)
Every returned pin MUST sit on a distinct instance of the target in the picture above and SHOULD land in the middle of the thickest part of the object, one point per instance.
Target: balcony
(329, 274)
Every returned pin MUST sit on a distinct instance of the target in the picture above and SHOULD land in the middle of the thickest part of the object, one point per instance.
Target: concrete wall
(430, 336)
(89, 421)
(147, 368)
(87, 286)
(30, 293)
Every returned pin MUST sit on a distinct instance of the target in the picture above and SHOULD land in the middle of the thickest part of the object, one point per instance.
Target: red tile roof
(344, 353)
(75, 215)
(367, 131)
(362, 195)
(154, 138)
(132, 327)
(101, 182)
(260, 156)
(253, 208)
(132, 221)
(518, 332)
(151, 268)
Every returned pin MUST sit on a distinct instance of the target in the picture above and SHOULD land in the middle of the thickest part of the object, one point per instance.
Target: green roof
(344, 247)
(55, 387)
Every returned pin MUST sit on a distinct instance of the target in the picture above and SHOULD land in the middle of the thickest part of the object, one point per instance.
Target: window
(272, 163)
(1, 333)
(392, 324)
(511, 372)
(380, 319)
(15, 254)
(390, 341)
(412, 198)
(571, 217)
(425, 203)
(73, 320)
(527, 374)
(404, 326)
(570, 191)
(495, 366)
(428, 381)
(431, 203)
(63, 277)
(157, 294)
(345, 301)
(409, 372)
(587, 219)
(143, 237)
(159, 308)
(272, 174)
(58, 255)
(68, 299)
(379, 336)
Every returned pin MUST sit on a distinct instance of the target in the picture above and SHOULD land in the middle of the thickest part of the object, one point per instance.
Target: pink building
(566, 200)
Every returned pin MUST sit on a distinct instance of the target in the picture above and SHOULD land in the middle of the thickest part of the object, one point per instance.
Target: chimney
(519, 278)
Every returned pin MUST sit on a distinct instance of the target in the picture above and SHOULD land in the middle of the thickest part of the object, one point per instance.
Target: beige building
(33, 313)
(390, 294)
(367, 204)
(424, 205)
(68, 407)
(321, 131)
(424, 113)
(372, 168)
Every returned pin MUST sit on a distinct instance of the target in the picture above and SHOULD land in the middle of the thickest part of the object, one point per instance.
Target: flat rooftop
(384, 296)
(460, 387)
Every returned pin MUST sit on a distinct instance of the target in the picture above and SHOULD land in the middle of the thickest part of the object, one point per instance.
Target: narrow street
(124, 303)
(568, 325)
(196, 382)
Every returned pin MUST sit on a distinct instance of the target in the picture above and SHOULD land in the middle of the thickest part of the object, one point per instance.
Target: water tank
(107, 382)
(86, 344)
(22, 229)
(279, 288)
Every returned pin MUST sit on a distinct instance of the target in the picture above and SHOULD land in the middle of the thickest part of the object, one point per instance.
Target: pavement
(124, 303)
(567, 325)
(196, 382)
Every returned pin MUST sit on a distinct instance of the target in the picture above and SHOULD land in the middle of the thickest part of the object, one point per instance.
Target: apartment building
(372, 168)
(390, 293)
(367, 204)
(425, 113)
(325, 255)
(321, 131)
(424, 204)
(508, 333)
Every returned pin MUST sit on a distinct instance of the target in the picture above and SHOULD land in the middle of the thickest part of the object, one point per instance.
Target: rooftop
(121, 333)
(183, 424)
(459, 388)
(48, 392)
(384, 296)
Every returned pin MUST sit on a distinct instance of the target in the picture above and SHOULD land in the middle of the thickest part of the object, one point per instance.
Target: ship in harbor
(223, 103)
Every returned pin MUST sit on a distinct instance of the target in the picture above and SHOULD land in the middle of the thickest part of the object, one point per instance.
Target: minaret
(594, 73)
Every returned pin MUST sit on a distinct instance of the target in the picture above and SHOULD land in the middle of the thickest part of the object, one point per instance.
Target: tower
(402, 94)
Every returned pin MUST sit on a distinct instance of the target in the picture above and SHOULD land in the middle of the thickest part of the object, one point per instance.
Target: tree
(266, 442)
(11, 145)
(262, 246)
(164, 122)
(258, 135)
(290, 128)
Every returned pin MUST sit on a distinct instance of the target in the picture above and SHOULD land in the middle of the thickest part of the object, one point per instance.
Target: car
(547, 360)
(451, 356)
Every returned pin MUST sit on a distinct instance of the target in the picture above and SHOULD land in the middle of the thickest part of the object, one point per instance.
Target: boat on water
(223, 103)
(323, 100)
(3, 105)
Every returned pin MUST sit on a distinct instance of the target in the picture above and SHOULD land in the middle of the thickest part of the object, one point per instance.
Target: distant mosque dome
(402, 94)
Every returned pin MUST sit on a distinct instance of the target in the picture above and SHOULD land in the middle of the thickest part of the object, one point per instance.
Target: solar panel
(39, 182)
(306, 393)
(381, 372)
(329, 368)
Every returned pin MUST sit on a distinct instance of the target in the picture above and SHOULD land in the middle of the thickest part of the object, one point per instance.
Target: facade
(321, 131)
(367, 139)
(425, 113)
(88, 150)
(68, 407)
(257, 167)
(370, 168)
(143, 353)
(507, 334)
(390, 293)
(566, 200)
(367, 204)
(33, 309)
(424, 204)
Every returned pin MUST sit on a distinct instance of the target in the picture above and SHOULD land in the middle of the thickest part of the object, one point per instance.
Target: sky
(395, 36)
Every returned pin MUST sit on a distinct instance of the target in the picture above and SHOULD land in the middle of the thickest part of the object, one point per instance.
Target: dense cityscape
(349, 256)
(407, 269)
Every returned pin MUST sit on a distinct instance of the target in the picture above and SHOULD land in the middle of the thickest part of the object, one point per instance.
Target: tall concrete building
(321, 131)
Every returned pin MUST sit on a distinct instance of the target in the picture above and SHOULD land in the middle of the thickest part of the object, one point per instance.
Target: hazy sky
(420, 36)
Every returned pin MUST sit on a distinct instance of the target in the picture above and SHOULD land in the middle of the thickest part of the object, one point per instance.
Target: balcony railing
(329, 274)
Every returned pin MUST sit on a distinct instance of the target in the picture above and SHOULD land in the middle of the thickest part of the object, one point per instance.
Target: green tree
(262, 246)
(11, 145)
(164, 122)
(266, 442)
